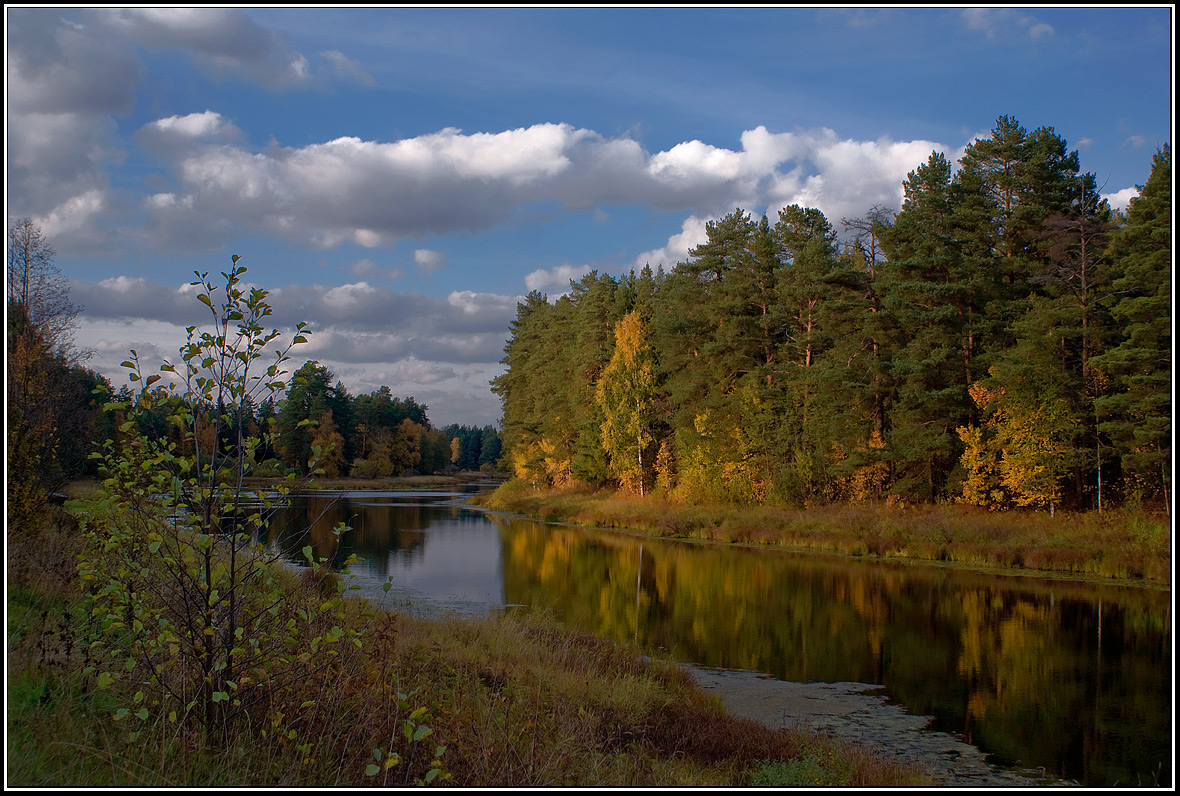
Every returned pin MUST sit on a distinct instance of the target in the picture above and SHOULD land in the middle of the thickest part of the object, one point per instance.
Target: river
(1068, 677)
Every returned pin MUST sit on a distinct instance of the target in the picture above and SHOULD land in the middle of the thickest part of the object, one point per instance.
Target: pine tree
(1137, 413)
(929, 299)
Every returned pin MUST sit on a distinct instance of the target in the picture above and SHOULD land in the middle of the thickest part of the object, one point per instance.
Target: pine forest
(1003, 339)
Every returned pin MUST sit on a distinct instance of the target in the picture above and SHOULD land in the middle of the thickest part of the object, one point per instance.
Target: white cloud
(75, 213)
(378, 193)
(1121, 200)
(429, 261)
(693, 161)
(842, 178)
(443, 351)
(555, 281)
(72, 73)
(174, 134)
(692, 233)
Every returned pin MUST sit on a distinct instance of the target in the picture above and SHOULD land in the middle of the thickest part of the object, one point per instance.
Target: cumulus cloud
(62, 87)
(57, 66)
(176, 133)
(444, 348)
(842, 178)
(71, 74)
(376, 193)
(555, 281)
(1121, 200)
(221, 39)
(692, 233)
(356, 308)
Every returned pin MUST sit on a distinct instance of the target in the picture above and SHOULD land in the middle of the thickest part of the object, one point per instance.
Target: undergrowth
(514, 700)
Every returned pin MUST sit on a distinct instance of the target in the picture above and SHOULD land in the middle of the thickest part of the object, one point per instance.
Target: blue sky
(400, 178)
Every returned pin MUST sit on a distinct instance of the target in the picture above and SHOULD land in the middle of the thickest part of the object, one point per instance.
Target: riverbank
(856, 713)
(513, 700)
(1122, 545)
(389, 484)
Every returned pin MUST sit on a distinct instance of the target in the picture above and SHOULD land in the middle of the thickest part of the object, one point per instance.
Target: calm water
(1070, 677)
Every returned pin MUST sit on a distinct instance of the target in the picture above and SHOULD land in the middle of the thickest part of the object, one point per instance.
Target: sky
(400, 178)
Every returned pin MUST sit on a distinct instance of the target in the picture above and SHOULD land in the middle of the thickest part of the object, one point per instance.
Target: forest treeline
(1003, 339)
(375, 435)
(59, 411)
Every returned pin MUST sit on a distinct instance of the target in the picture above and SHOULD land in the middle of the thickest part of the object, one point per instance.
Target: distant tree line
(364, 436)
(1004, 339)
(56, 417)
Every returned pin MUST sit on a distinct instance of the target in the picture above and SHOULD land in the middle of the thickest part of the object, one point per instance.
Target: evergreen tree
(1136, 414)
(929, 299)
(310, 396)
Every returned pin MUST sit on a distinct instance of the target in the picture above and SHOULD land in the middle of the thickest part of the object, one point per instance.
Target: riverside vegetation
(153, 642)
(510, 701)
(1125, 544)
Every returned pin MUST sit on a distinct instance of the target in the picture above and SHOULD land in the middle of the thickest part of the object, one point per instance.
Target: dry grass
(516, 700)
(1123, 544)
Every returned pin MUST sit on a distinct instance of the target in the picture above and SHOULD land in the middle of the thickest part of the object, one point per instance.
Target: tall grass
(1128, 544)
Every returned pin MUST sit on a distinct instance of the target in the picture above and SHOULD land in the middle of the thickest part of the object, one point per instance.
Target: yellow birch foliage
(1018, 455)
(624, 394)
(1034, 446)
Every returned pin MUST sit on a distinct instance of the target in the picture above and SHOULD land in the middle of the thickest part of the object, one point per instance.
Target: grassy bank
(392, 483)
(1122, 544)
(511, 701)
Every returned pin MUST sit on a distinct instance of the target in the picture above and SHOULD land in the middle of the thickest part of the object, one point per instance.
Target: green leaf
(372, 770)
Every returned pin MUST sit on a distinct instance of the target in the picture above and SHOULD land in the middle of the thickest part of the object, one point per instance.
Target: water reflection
(436, 553)
(1071, 677)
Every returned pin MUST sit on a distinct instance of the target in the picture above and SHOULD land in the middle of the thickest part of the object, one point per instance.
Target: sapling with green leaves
(189, 605)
